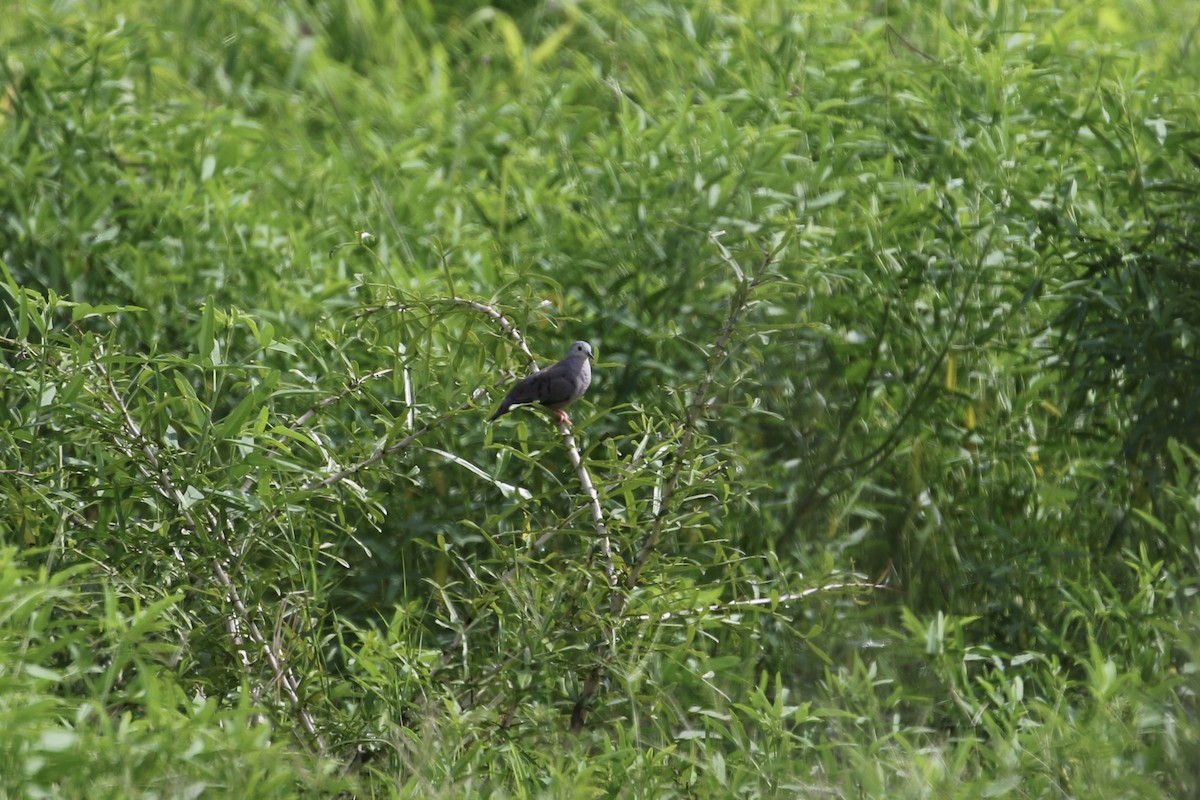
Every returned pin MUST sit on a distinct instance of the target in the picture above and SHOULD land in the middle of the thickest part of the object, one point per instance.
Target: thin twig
(382, 453)
(384, 197)
(396, 447)
(504, 322)
(501, 320)
(720, 348)
(734, 605)
(909, 45)
(304, 418)
(242, 621)
(876, 456)
(716, 356)
(834, 451)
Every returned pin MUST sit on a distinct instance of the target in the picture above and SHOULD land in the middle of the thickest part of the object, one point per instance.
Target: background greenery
(894, 430)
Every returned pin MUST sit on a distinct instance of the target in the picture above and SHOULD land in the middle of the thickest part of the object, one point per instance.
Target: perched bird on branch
(555, 387)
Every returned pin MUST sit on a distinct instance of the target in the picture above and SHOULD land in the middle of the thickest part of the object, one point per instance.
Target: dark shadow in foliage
(1130, 330)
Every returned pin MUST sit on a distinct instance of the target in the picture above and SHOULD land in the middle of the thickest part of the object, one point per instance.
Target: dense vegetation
(886, 485)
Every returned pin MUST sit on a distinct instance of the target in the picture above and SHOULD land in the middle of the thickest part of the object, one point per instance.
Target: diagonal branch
(244, 621)
(716, 357)
(585, 480)
(734, 605)
(458, 643)
(395, 447)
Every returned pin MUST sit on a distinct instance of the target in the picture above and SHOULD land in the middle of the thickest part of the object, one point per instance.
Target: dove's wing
(557, 386)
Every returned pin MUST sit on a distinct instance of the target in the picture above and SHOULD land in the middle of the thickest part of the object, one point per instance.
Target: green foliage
(885, 486)
(91, 704)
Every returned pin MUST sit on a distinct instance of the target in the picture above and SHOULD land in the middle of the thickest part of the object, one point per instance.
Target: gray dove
(555, 387)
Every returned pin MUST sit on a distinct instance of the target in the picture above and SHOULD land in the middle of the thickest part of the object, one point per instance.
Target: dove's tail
(499, 411)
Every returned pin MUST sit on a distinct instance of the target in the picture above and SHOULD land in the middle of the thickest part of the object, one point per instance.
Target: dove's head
(580, 350)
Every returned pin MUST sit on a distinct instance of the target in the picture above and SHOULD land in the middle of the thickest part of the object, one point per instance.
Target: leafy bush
(885, 485)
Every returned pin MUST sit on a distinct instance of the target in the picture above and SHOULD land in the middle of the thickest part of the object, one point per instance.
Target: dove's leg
(562, 417)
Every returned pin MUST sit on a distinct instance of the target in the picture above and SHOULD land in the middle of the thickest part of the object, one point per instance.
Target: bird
(555, 387)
